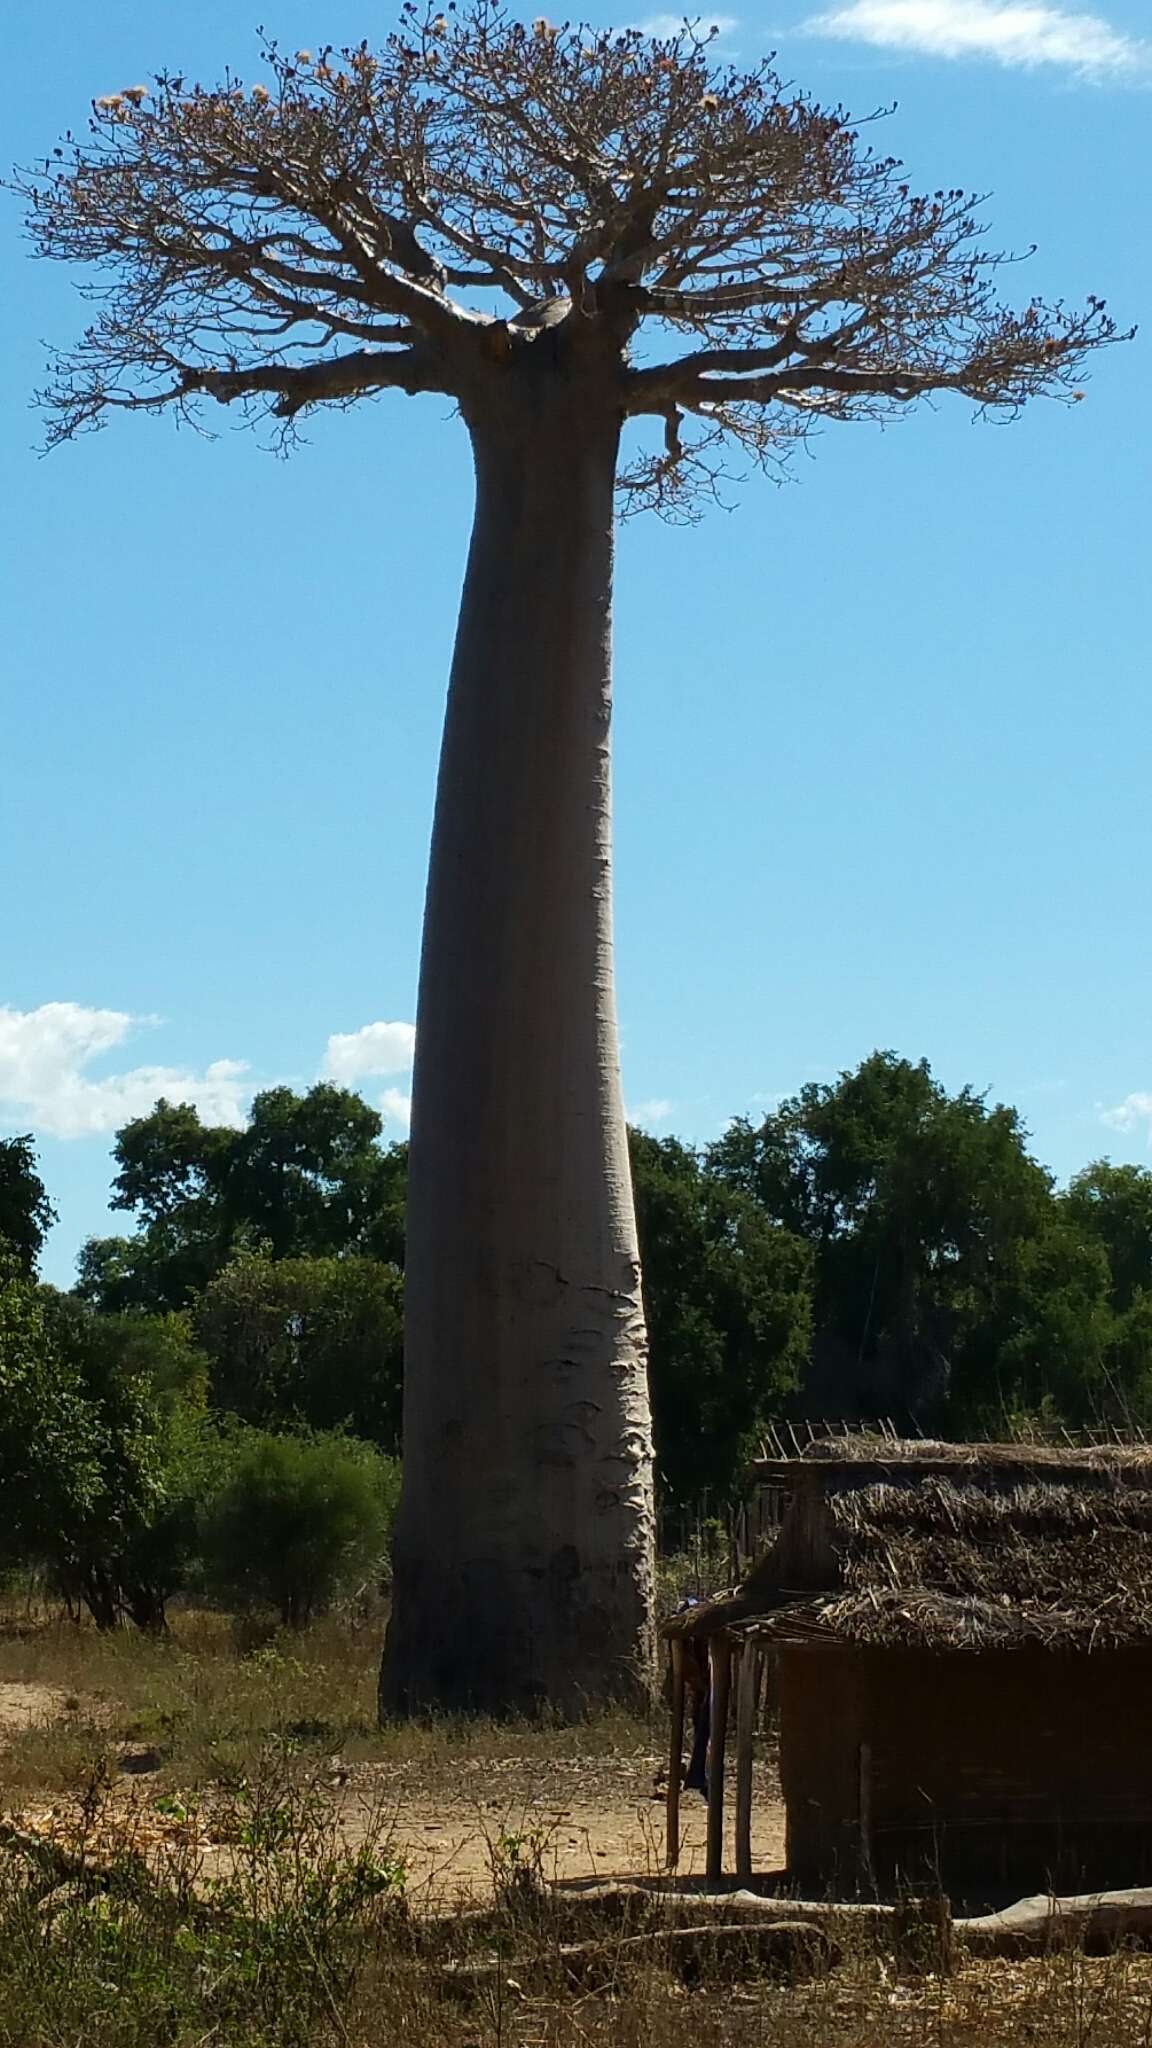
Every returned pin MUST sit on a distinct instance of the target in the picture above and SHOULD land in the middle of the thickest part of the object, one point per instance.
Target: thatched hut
(958, 1643)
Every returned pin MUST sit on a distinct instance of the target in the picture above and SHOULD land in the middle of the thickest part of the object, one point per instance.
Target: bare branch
(584, 185)
(337, 377)
(1008, 361)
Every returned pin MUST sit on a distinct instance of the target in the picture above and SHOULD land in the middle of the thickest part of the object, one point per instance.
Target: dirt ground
(461, 1823)
(25, 1706)
(574, 1818)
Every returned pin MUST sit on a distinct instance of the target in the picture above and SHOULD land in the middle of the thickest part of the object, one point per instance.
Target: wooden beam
(867, 1859)
(720, 1663)
(747, 1701)
(675, 1755)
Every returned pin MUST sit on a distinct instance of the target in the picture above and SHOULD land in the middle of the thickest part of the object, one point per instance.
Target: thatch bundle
(1115, 1458)
(939, 1561)
(985, 1547)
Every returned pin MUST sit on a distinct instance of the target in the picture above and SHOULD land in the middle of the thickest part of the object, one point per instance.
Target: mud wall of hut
(1001, 1771)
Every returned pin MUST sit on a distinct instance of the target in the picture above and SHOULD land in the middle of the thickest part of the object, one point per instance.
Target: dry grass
(292, 1941)
(212, 1697)
(939, 1562)
(219, 1904)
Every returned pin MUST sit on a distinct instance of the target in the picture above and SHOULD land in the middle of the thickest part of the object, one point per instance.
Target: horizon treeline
(216, 1402)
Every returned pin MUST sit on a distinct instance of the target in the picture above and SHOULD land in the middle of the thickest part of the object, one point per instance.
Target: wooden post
(747, 1701)
(720, 1664)
(867, 1861)
(675, 1754)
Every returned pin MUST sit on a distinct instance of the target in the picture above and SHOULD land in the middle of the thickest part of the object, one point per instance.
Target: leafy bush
(50, 1453)
(307, 1343)
(129, 1545)
(297, 1521)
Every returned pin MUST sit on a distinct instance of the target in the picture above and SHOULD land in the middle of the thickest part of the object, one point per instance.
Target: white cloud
(374, 1049)
(44, 1083)
(1129, 1115)
(1024, 32)
(396, 1108)
(655, 1111)
(47, 1086)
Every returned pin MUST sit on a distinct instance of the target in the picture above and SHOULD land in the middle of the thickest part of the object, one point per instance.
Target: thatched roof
(865, 1447)
(957, 1546)
(947, 1565)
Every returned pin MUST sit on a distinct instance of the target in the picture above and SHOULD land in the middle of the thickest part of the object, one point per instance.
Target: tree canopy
(874, 1244)
(311, 1342)
(933, 1233)
(26, 1214)
(727, 1294)
(1112, 1205)
(415, 216)
(306, 1177)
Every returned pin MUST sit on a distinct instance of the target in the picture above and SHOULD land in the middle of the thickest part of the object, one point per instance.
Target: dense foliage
(727, 1293)
(217, 1403)
(306, 1177)
(954, 1286)
(297, 1521)
(26, 1214)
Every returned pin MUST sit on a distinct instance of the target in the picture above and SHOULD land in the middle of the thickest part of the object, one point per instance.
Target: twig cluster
(423, 216)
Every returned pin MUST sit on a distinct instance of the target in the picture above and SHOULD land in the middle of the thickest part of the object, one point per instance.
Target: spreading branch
(736, 262)
(338, 378)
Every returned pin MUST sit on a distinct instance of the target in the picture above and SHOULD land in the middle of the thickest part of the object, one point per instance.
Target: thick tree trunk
(523, 1563)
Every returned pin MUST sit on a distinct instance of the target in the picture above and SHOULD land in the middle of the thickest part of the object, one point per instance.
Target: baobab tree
(564, 231)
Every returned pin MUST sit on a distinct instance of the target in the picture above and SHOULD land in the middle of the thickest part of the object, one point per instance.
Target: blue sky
(882, 733)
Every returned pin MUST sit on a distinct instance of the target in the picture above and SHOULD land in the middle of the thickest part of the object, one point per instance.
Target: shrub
(297, 1521)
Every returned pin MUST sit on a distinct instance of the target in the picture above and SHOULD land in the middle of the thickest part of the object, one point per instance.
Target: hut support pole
(720, 1662)
(675, 1755)
(867, 1860)
(747, 1701)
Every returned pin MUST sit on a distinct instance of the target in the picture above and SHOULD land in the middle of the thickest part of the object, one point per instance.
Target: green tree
(168, 1162)
(297, 1521)
(317, 1342)
(146, 1274)
(50, 1453)
(160, 1351)
(1112, 1205)
(306, 1177)
(1109, 1207)
(916, 1203)
(561, 231)
(1041, 1340)
(1130, 1363)
(128, 1547)
(727, 1293)
(26, 1214)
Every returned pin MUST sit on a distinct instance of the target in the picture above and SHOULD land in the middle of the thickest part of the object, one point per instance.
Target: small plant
(517, 1863)
(111, 1939)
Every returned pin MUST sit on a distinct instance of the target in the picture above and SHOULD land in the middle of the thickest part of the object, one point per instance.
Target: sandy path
(582, 1817)
(26, 1706)
(459, 1820)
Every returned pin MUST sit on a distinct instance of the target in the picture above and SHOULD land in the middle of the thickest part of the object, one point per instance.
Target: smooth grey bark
(523, 1562)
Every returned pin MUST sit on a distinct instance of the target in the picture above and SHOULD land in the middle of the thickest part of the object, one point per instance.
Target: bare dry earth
(460, 1823)
(571, 1817)
(27, 1706)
